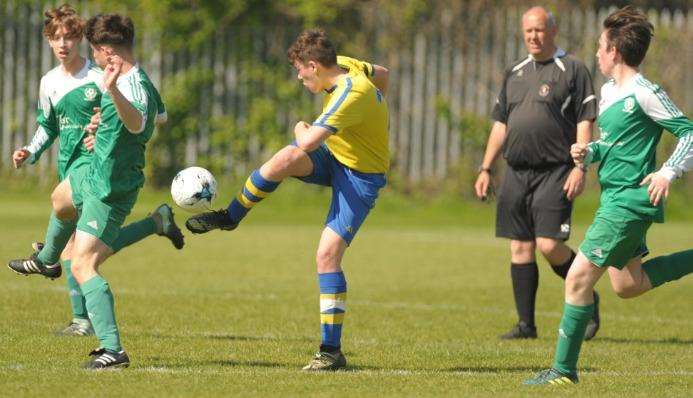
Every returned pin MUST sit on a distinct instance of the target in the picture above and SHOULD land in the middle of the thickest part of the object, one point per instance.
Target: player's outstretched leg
(256, 188)
(288, 162)
(161, 222)
(669, 268)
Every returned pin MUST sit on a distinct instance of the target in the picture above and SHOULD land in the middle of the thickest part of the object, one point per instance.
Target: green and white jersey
(631, 119)
(116, 170)
(65, 107)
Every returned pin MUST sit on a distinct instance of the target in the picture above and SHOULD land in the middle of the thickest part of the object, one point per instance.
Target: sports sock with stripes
(57, 235)
(255, 189)
(571, 333)
(333, 289)
(100, 304)
(669, 268)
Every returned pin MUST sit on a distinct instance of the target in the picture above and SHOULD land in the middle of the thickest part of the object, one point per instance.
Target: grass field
(237, 313)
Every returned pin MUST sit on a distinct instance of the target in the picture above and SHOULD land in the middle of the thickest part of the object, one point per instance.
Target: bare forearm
(494, 145)
(128, 114)
(584, 132)
(381, 78)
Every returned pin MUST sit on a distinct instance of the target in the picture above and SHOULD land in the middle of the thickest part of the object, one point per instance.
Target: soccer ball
(193, 189)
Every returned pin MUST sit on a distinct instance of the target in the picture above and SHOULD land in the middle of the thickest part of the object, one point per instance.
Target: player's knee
(576, 284)
(282, 161)
(326, 260)
(547, 246)
(626, 290)
(522, 249)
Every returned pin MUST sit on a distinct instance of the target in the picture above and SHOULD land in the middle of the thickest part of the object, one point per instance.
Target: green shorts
(98, 217)
(615, 238)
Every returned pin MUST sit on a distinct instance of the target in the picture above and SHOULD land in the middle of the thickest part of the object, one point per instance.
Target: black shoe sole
(23, 274)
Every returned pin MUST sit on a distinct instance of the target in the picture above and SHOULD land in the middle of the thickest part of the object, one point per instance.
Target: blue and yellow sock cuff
(255, 189)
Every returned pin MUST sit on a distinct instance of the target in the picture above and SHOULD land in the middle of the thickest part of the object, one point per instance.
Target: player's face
(64, 45)
(539, 37)
(308, 75)
(100, 54)
(606, 56)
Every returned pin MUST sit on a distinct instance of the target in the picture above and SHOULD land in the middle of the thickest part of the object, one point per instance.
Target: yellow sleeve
(353, 63)
(343, 110)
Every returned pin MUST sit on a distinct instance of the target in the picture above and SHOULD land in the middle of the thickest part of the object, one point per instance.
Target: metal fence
(445, 72)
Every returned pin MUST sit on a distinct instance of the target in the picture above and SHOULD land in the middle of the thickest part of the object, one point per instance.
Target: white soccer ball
(194, 189)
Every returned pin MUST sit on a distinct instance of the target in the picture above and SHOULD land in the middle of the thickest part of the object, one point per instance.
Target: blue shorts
(353, 192)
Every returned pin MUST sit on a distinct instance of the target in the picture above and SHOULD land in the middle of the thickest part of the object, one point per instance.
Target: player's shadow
(222, 336)
(669, 341)
(161, 362)
(501, 369)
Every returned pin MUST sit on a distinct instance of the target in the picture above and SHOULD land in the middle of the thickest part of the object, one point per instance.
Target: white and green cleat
(78, 327)
(166, 225)
(552, 377)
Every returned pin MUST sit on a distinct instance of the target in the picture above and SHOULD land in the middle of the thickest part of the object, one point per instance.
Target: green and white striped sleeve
(662, 111)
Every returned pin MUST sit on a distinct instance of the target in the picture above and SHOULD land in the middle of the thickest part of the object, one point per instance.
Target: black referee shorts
(532, 203)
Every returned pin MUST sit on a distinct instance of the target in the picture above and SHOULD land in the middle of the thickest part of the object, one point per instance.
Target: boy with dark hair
(68, 96)
(106, 193)
(632, 114)
(346, 148)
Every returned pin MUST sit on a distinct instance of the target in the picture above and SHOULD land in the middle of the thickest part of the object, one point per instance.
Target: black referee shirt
(541, 104)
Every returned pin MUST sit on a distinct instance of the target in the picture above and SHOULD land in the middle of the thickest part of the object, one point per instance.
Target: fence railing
(442, 75)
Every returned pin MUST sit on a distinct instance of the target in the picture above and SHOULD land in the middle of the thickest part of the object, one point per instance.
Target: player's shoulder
(645, 88)
(607, 88)
(354, 65)
(52, 77)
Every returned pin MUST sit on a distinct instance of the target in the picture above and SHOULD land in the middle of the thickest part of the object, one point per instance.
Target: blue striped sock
(333, 288)
(255, 189)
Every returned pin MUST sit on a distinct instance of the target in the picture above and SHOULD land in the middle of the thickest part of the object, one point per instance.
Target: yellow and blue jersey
(356, 113)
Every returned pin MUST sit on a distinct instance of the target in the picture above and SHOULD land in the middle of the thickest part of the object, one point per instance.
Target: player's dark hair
(63, 17)
(629, 31)
(111, 29)
(313, 45)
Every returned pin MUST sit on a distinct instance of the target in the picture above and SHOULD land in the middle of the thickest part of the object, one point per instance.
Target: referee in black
(546, 104)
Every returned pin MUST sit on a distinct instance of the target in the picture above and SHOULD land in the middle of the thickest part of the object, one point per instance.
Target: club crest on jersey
(544, 90)
(629, 105)
(90, 94)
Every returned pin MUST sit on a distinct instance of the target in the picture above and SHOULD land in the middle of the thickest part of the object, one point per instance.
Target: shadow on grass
(669, 341)
(222, 336)
(161, 362)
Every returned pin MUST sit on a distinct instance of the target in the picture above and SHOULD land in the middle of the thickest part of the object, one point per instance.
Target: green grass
(236, 313)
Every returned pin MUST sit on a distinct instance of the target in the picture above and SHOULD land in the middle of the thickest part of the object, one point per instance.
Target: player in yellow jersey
(346, 148)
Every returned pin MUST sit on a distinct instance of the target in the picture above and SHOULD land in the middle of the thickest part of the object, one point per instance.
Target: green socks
(669, 268)
(134, 232)
(570, 335)
(57, 235)
(79, 308)
(100, 305)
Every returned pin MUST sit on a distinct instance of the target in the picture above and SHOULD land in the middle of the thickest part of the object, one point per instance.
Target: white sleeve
(137, 97)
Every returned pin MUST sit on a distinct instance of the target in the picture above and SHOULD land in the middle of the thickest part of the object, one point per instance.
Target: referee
(545, 105)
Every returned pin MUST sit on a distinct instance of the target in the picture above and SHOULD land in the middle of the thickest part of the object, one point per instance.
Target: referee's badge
(544, 90)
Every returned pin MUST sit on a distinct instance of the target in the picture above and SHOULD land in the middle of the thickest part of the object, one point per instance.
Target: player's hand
(112, 71)
(301, 127)
(94, 121)
(578, 152)
(658, 188)
(575, 183)
(89, 141)
(482, 185)
(19, 157)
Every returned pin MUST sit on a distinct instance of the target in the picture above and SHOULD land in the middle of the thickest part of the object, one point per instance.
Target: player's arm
(310, 137)
(380, 78)
(659, 108)
(133, 118)
(45, 134)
